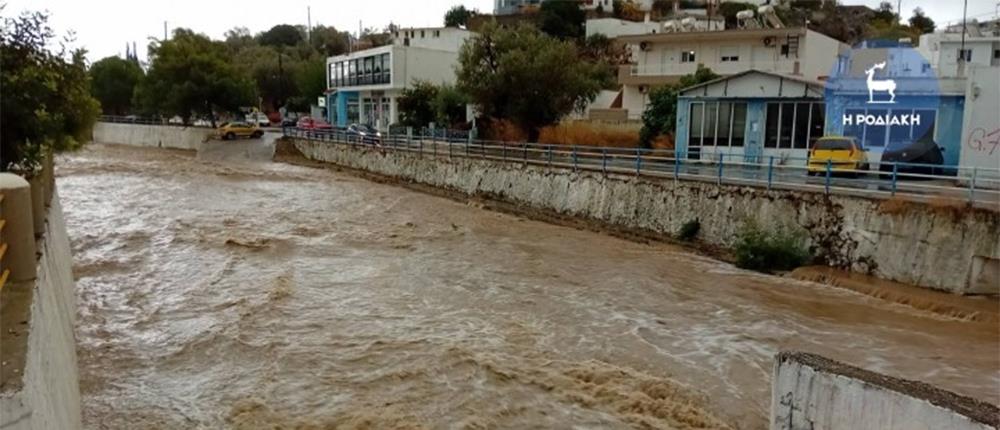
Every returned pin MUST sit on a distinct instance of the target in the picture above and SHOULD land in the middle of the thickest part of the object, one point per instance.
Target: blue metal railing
(979, 186)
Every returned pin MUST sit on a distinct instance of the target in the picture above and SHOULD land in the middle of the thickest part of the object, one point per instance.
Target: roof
(712, 35)
(817, 85)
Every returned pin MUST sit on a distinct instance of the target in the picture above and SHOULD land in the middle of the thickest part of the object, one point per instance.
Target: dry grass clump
(583, 134)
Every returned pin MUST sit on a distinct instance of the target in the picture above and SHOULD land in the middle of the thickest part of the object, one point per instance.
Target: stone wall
(47, 396)
(150, 135)
(810, 392)
(943, 248)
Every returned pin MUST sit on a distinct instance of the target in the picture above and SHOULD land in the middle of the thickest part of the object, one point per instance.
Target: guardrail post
(895, 172)
(574, 157)
(503, 152)
(829, 170)
(19, 231)
(468, 142)
(770, 172)
(972, 186)
(638, 162)
(526, 154)
(548, 150)
(604, 161)
(722, 160)
(420, 147)
(677, 166)
(409, 136)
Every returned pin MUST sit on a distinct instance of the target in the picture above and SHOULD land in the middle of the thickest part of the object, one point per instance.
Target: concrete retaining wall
(48, 395)
(150, 135)
(810, 392)
(942, 248)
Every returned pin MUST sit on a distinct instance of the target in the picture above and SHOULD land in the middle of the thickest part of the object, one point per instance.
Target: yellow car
(235, 129)
(842, 153)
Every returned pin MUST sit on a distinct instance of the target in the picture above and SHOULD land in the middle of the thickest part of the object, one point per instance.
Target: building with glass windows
(362, 86)
(756, 114)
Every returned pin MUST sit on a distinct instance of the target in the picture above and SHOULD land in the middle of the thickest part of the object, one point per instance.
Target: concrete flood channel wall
(943, 248)
(161, 136)
(40, 389)
(812, 392)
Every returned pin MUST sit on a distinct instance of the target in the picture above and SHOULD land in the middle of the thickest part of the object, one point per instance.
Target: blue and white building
(363, 86)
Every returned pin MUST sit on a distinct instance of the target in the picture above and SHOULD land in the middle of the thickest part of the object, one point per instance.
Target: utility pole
(309, 24)
(164, 31)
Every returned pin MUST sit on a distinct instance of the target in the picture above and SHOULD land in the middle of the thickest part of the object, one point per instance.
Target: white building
(362, 87)
(663, 58)
(943, 50)
(509, 7)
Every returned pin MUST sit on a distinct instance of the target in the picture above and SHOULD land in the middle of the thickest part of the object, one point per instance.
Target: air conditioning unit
(768, 41)
(644, 46)
(643, 89)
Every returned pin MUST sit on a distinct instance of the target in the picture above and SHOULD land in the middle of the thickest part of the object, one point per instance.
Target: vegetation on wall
(47, 102)
(769, 250)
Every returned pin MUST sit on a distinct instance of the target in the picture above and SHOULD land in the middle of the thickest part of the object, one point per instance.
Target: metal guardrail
(145, 121)
(977, 186)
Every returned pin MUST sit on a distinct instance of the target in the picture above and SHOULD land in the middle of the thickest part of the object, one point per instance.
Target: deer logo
(887, 85)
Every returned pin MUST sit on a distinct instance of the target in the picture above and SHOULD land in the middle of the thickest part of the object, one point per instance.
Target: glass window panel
(899, 135)
(875, 135)
(695, 125)
(925, 131)
(739, 123)
(725, 116)
(855, 130)
(817, 123)
(771, 129)
(800, 134)
(711, 118)
(787, 122)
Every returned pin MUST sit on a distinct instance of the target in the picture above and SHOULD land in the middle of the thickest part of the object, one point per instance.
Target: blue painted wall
(338, 116)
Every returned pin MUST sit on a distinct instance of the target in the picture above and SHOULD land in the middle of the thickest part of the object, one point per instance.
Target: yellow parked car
(235, 129)
(844, 155)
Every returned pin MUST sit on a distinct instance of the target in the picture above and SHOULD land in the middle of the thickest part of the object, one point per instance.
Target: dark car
(922, 157)
(365, 133)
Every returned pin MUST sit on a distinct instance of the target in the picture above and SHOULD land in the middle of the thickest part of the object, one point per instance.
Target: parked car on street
(365, 133)
(235, 129)
(259, 119)
(310, 123)
(922, 157)
(843, 154)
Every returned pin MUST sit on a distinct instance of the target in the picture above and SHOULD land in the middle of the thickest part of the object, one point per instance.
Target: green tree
(660, 116)
(522, 75)
(46, 102)
(562, 19)
(310, 83)
(416, 104)
(191, 75)
(113, 81)
(885, 13)
(329, 41)
(449, 106)
(921, 22)
(458, 16)
(281, 35)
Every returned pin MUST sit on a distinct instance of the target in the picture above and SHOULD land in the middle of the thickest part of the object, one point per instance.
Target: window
(996, 54)
(423, 34)
(437, 33)
(965, 55)
(687, 57)
(893, 136)
(793, 125)
(717, 124)
(729, 55)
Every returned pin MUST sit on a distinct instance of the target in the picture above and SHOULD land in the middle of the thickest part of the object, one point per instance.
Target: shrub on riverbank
(583, 134)
(768, 251)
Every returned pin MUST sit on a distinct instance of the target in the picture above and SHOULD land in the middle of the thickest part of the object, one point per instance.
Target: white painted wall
(805, 395)
(941, 50)
(614, 27)
(50, 396)
(440, 38)
(981, 126)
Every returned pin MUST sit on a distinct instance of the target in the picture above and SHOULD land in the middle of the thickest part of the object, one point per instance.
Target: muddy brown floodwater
(268, 295)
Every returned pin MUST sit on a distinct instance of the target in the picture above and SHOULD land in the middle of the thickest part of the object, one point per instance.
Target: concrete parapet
(19, 231)
(811, 392)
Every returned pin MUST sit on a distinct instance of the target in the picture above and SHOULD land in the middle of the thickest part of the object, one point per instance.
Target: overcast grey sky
(104, 26)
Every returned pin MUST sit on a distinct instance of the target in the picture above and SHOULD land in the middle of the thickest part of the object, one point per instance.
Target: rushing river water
(268, 295)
